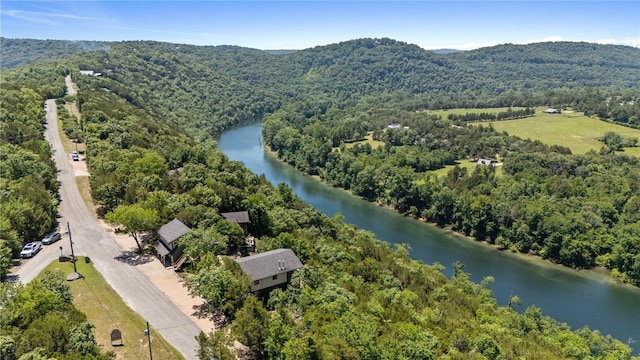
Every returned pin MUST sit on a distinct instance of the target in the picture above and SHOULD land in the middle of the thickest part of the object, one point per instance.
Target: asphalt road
(90, 239)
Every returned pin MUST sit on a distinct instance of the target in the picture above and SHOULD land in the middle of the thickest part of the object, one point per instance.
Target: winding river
(579, 298)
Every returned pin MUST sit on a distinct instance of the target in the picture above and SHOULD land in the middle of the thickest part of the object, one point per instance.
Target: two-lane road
(90, 239)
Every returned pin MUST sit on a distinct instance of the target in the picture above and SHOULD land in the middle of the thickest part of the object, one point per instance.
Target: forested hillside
(205, 89)
(356, 297)
(16, 52)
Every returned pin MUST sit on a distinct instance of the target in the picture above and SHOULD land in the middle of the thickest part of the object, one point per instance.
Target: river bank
(600, 274)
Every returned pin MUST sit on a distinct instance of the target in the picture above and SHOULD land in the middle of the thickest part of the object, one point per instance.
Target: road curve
(90, 239)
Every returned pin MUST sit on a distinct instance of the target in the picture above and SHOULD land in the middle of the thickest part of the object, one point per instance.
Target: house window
(275, 277)
(257, 282)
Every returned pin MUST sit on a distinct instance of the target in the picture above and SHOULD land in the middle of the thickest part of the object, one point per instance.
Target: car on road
(75, 156)
(31, 249)
(51, 238)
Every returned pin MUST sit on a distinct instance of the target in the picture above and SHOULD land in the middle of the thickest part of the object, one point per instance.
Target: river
(579, 298)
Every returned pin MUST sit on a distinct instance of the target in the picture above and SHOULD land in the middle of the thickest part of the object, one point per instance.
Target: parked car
(31, 249)
(75, 156)
(51, 238)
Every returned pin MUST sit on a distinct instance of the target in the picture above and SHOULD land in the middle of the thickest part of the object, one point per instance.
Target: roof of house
(483, 162)
(240, 217)
(161, 248)
(171, 231)
(269, 263)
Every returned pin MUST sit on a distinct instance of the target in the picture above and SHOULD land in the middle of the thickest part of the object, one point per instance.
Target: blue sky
(303, 24)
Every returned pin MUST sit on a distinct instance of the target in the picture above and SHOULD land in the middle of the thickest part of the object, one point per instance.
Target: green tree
(251, 326)
(56, 283)
(214, 346)
(488, 347)
(223, 286)
(5, 258)
(82, 340)
(135, 219)
(281, 330)
(7, 348)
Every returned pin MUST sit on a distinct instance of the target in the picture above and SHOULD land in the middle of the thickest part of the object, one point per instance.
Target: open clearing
(578, 132)
(468, 164)
(368, 140)
(106, 310)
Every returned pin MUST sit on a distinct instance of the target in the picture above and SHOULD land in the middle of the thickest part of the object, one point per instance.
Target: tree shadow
(133, 258)
(203, 311)
(11, 278)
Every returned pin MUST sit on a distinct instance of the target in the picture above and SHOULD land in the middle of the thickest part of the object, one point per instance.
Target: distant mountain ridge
(237, 84)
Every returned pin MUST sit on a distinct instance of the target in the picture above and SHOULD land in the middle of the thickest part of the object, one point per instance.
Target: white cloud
(26, 15)
(474, 45)
(46, 17)
(629, 41)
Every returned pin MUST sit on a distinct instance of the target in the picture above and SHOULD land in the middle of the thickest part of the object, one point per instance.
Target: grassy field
(106, 310)
(573, 130)
(369, 139)
(468, 164)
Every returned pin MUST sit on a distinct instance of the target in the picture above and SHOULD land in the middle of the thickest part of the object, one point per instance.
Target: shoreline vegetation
(599, 272)
(541, 190)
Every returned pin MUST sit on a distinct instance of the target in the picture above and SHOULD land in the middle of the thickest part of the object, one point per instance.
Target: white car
(75, 156)
(51, 238)
(31, 249)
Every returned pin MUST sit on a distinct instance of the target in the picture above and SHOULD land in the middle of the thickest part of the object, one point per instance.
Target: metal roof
(270, 263)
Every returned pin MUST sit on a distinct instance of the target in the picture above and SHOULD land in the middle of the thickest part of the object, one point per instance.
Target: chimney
(283, 267)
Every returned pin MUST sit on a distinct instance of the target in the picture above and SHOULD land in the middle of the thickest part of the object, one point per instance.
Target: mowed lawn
(573, 130)
(107, 311)
(368, 140)
(468, 164)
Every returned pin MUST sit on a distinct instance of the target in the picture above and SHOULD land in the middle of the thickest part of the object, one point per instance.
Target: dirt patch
(72, 108)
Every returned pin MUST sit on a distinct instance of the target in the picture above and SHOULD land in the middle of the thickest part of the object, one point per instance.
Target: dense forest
(356, 297)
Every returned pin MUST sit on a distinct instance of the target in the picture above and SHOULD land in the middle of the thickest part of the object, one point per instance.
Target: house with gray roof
(270, 269)
(240, 217)
(167, 244)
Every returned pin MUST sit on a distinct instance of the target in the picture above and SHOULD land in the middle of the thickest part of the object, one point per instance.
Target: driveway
(90, 239)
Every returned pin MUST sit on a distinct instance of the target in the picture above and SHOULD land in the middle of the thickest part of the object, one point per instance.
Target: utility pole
(73, 256)
(148, 333)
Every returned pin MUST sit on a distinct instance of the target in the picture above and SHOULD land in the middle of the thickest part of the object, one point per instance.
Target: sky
(270, 25)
